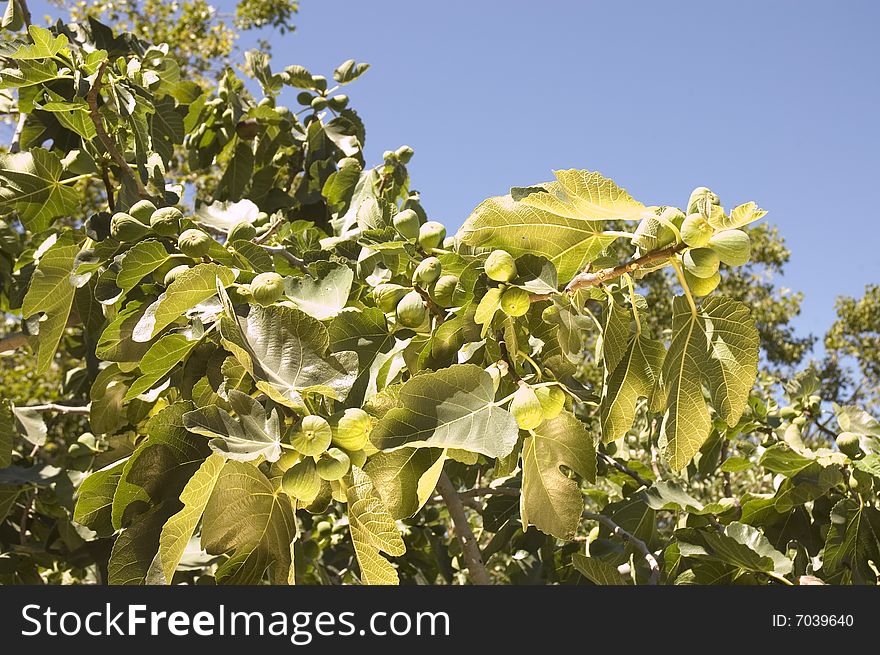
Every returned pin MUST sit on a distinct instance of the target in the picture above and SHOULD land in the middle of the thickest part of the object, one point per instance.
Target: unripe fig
(526, 408)
(243, 231)
(166, 221)
(358, 457)
(733, 247)
(142, 210)
(404, 154)
(353, 429)
(262, 218)
(172, 275)
(861, 482)
(407, 224)
(701, 262)
(347, 162)
(313, 436)
(702, 286)
(431, 235)
(304, 98)
(319, 103)
(194, 243)
(500, 266)
(515, 302)
(696, 231)
(788, 412)
(387, 296)
(444, 290)
(301, 481)
(552, 401)
(266, 288)
(849, 444)
(287, 459)
(411, 310)
(428, 271)
(654, 234)
(550, 314)
(127, 228)
(333, 465)
(701, 199)
(320, 82)
(247, 129)
(338, 103)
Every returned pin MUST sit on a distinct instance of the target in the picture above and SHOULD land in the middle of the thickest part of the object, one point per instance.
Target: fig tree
(428, 271)
(526, 408)
(411, 310)
(313, 436)
(431, 235)
(515, 302)
(194, 243)
(701, 262)
(266, 288)
(733, 247)
(500, 266)
(407, 224)
(166, 221)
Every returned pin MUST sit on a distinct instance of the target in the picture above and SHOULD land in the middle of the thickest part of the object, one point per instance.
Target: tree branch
(13, 341)
(15, 146)
(637, 543)
(109, 146)
(586, 279)
(469, 548)
(61, 409)
(433, 307)
(623, 468)
(289, 256)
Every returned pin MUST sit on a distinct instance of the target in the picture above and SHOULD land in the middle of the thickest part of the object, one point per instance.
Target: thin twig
(108, 187)
(469, 547)
(623, 468)
(490, 491)
(273, 228)
(637, 543)
(286, 254)
(109, 146)
(433, 307)
(15, 146)
(61, 409)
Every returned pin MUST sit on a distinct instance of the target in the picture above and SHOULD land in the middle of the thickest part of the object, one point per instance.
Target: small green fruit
(127, 228)
(142, 210)
(319, 103)
(654, 234)
(304, 98)
(243, 231)
(407, 224)
(333, 465)
(702, 286)
(443, 292)
(700, 200)
(701, 262)
(404, 154)
(428, 271)
(194, 243)
(552, 401)
(387, 296)
(301, 481)
(266, 288)
(338, 103)
(515, 302)
(526, 408)
(788, 412)
(313, 436)
(411, 310)
(173, 274)
(500, 266)
(353, 429)
(319, 82)
(849, 444)
(166, 221)
(550, 314)
(247, 129)
(288, 458)
(733, 247)
(696, 231)
(861, 482)
(431, 235)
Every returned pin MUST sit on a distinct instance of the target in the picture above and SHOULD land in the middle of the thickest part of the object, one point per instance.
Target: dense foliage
(251, 357)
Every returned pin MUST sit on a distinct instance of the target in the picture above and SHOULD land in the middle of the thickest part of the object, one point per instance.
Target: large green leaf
(250, 435)
(31, 184)
(252, 521)
(44, 45)
(7, 433)
(373, 531)
(739, 216)
(191, 287)
(324, 295)
(51, 295)
(405, 479)
(598, 571)
(134, 559)
(585, 195)
(450, 408)
(285, 351)
(634, 377)
(853, 541)
(141, 260)
(163, 355)
(179, 529)
(94, 503)
(550, 499)
(742, 546)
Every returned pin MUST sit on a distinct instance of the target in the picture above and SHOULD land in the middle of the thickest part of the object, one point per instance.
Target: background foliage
(317, 386)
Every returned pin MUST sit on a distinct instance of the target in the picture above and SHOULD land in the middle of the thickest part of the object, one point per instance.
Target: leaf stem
(684, 285)
(632, 300)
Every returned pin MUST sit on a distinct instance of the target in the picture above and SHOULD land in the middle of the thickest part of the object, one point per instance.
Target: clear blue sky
(773, 101)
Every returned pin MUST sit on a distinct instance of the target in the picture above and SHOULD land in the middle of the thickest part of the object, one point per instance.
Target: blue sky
(769, 101)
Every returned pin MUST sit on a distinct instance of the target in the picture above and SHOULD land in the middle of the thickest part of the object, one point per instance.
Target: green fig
(338, 103)
(407, 224)
(696, 231)
(515, 302)
(552, 400)
(142, 210)
(702, 286)
(174, 273)
(861, 482)
(243, 231)
(431, 235)
(353, 429)
(194, 243)
(404, 154)
(500, 266)
(526, 408)
(411, 310)
(333, 465)
(387, 296)
(266, 288)
(443, 292)
(701, 262)
(733, 247)
(428, 271)
(358, 457)
(849, 443)
(166, 221)
(127, 228)
(700, 200)
(319, 103)
(301, 481)
(313, 436)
